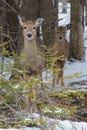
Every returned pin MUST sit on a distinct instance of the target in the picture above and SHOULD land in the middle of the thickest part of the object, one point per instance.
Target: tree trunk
(2, 24)
(64, 6)
(86, 15)
(11, 25)
(29, 9)
(49, 11)
(76, 34)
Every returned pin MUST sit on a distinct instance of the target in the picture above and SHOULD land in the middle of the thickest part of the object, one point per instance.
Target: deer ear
(20, 20)
(68, 26)
(39, 21)
(65, 28)
(53, 26)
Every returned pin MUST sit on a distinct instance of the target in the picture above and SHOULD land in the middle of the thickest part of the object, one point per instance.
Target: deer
(60, 50)
(32, 59)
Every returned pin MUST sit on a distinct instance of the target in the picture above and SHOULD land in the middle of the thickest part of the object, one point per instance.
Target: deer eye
(57, 32)
(34, 28)
(25, 27)
(63, 32)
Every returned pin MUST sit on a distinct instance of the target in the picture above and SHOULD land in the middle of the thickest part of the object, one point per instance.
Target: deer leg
(54, 79)
(41, 78)
(59, 78)
(34, 92)
(27, 99)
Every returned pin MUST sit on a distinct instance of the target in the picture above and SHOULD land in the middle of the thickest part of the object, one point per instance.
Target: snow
(74, 72)
(54, 124)
(25, 128)
(68, 125)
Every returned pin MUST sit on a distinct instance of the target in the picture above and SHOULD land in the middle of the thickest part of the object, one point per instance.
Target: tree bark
(11, 26)
(49, 11)
(76, 34)
(86, 15)
(64, 6)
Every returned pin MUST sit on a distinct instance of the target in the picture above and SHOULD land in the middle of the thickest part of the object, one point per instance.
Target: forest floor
(69, 103)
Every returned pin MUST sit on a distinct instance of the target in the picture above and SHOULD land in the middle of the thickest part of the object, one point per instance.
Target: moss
(64, 103)
(55, 111)
(70, 94)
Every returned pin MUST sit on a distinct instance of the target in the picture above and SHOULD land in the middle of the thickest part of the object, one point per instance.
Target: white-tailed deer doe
(32, 56)
(60, 51)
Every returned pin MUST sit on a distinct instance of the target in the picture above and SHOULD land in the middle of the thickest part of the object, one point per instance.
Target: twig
(8, 105)
(10, 6)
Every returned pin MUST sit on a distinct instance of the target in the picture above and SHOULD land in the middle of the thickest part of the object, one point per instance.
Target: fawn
(32, 56)
(60, 49)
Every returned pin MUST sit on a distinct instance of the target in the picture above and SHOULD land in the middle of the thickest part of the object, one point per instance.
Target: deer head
(29, 27)
(60, 33)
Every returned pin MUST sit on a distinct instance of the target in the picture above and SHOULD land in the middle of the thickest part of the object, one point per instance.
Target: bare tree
(64, 6)
(76, 34)
(2, 25)
(86, 15)
(9, 24)
(49, 11)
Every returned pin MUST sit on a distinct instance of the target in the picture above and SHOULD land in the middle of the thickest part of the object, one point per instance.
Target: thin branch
(5, 35)
(8, 105)
(10, 6)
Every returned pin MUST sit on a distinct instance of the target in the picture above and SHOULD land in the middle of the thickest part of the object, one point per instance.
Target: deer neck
(59, 44)
(29, 45)
(59, 41)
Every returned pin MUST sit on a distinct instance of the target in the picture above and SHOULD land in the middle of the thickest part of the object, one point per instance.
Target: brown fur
(32, 59)
(61, 47)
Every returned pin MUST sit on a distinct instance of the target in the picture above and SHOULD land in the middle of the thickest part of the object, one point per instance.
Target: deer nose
(60, 37)
(29, 35)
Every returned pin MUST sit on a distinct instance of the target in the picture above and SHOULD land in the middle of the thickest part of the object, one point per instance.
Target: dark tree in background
(85, 4)
(12, 23)
(49, 11)
(2, 24)
(9, 24)
(1, 21)
(76, 34)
